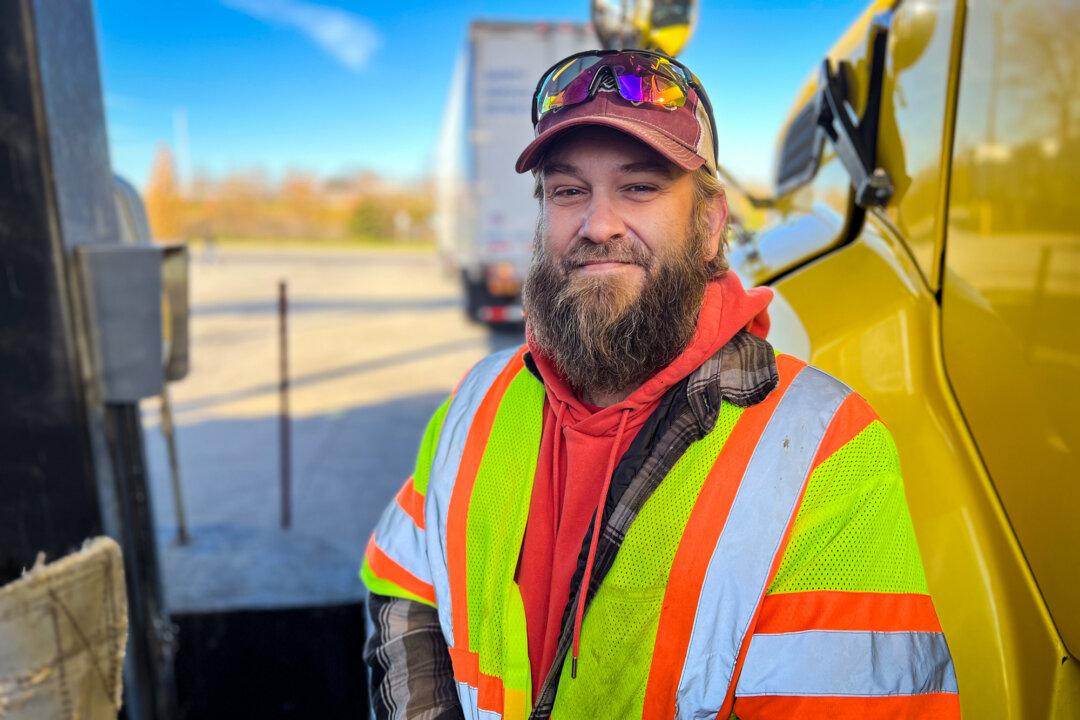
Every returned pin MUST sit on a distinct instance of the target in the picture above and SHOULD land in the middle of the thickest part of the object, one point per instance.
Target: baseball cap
(682, 135)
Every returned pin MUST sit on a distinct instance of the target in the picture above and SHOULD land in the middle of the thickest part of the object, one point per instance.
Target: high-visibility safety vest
(773, 572)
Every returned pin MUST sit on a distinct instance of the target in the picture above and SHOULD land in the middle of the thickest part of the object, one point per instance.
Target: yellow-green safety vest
(775, 565)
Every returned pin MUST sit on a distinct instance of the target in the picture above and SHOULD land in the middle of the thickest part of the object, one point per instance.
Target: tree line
(250, 205)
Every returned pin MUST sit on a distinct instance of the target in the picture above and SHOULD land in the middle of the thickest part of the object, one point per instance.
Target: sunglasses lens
(567, 84)
(650, 80)
(641, 78)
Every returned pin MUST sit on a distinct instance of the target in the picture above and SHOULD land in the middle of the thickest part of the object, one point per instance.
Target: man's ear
(716, 215)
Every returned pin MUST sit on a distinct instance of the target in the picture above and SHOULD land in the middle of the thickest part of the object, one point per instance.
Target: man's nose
(602, 222)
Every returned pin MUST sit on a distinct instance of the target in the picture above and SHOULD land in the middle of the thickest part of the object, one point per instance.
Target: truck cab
(923, 241)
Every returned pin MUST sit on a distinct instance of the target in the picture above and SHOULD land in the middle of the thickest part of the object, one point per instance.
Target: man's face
(613, 211)
(619, 270)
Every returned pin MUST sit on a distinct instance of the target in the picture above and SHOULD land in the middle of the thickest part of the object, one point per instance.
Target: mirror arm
(872, 184)
(856, 145)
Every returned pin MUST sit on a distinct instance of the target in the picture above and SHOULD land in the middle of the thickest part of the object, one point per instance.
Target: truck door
(1011, 282)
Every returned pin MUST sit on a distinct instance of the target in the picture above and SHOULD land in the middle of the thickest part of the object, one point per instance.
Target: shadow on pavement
(346, 467)
(358, 368)
(364, 306)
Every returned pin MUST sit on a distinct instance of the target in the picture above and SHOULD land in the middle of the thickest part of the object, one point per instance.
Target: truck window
(913, 131)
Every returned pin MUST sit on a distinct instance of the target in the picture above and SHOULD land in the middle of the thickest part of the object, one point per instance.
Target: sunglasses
(641, 77)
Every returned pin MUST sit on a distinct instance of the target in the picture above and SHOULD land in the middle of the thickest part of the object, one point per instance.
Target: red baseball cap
(683, 135)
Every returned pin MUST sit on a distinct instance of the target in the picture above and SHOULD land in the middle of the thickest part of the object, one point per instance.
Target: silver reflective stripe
(469, 704)
(740, 563)
(402, 541)
(843, 662)
(444, 470)
(468, 695)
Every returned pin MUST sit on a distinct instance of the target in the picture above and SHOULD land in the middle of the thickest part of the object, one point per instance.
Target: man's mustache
(588, 252)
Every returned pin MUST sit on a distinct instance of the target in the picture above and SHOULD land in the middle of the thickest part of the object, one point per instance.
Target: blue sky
(332, 86)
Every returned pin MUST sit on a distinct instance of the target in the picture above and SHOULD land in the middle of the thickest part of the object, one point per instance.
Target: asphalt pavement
(376, 340)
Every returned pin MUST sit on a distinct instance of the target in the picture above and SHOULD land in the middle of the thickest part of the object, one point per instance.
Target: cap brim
(674, 151)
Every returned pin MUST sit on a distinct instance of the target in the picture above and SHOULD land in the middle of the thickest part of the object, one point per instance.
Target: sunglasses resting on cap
(648, 95)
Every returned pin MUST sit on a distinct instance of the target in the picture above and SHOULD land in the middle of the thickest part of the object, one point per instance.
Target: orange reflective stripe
(386, 568)
(466, 665)
(932, 706)
(694, 553)
(489, 694)
(836, 610)
(466, 662)
(411, 502)
(851, 418)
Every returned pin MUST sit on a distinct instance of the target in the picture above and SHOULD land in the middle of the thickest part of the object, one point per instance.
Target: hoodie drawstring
(555, 462)
(583, 589)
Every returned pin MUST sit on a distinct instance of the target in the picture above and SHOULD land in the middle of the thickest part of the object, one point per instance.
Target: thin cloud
(345, 36)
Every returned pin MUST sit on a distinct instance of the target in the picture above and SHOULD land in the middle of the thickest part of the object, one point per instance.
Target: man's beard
(602, 333)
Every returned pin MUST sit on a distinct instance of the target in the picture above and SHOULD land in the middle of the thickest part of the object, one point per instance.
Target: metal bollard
(284, 434)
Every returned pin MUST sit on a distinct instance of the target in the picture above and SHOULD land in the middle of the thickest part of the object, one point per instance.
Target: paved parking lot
(377, 340)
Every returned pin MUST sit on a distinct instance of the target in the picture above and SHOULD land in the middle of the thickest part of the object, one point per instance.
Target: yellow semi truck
(924, 244)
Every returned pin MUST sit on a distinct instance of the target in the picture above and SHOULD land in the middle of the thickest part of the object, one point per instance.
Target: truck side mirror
(664, 25)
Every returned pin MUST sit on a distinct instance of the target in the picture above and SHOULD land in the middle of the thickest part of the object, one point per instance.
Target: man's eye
(642, 188)
(566, 192)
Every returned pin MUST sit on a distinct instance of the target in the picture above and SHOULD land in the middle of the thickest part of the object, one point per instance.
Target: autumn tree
(164, 206)
(300, 197)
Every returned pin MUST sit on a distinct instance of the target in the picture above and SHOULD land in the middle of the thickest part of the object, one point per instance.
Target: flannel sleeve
(410, 668)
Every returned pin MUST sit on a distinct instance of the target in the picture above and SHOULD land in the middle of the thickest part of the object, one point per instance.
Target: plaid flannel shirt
(411, 675)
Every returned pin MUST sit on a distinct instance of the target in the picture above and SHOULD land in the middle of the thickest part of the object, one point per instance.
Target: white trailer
(486, 214)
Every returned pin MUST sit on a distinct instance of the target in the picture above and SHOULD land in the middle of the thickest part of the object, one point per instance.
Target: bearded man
(646, 511)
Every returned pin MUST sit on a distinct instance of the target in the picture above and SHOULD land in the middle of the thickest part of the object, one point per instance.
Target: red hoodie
(578, 450)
